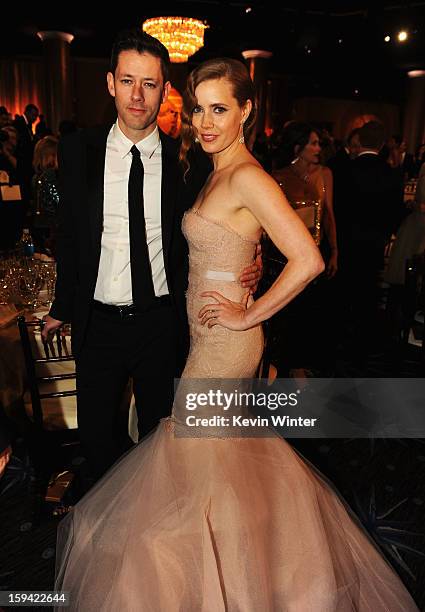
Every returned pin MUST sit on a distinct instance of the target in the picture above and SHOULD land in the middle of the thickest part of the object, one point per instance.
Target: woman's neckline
(222, 224)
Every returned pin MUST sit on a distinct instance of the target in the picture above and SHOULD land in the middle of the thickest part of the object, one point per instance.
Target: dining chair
(50, 406)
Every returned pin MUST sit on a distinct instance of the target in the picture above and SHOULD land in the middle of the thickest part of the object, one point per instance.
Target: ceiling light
(182, 36)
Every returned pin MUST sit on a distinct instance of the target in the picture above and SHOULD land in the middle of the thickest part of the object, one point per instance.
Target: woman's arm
(261, 195)
(329, 224)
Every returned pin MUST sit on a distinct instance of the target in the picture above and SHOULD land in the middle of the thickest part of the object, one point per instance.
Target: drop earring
(241, 137)
(196, 139)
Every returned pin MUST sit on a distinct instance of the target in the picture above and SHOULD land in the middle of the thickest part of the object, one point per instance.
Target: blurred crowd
(28, 158)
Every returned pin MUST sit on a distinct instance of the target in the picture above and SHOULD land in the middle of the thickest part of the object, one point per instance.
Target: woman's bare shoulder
(248, 173)
(254, 187)
(327, 172)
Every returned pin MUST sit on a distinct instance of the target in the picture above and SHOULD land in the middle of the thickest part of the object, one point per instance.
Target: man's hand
(50, 326)
(251, 275)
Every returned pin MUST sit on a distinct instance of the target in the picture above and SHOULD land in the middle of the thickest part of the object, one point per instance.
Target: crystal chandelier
(182, 36)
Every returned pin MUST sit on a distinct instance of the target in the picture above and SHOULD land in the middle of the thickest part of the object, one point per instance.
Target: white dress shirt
(368, 152)
(113, 284)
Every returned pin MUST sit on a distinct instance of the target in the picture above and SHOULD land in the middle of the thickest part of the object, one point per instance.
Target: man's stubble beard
(146, 123)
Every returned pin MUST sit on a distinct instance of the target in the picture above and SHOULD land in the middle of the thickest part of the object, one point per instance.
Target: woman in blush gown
(188, 522)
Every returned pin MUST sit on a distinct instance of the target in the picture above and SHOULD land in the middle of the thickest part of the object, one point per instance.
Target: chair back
(39, 367)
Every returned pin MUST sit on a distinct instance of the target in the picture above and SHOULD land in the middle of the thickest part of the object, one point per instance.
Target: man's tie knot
(135, 151)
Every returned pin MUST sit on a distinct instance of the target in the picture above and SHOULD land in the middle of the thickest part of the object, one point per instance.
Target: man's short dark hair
(372, 135)
(31, 107)
(138, 40)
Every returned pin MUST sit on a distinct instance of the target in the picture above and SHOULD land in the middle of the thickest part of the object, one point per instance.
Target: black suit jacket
(339, 160)
(374, 200)
(340, 165)
(24, 155)
(24, 131)
(81, 179)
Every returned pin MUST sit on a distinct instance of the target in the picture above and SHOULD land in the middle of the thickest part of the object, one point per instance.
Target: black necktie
(141, 275)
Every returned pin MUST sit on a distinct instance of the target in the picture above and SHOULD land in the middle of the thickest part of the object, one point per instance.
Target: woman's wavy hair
(295, 133)
(236, 73)
(45, 154)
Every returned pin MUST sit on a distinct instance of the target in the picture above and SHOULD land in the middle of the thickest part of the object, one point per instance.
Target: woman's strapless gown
(217, 524)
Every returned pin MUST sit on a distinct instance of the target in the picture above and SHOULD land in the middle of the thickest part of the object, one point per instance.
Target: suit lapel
(169, 190)
(96, 150)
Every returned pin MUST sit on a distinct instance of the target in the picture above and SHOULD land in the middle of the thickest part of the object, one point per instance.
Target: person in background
(8, 161)
(5, 118)
(45, 193)
(419, 159)
(327, 146)
(410, 238)
(67, 126)
(169, 119)
(303, 179)
(24, 123)
(41, 129)
(396, 155)
(25, 148)
(410, 241)
(345, 153)
(340, 166)
(372, 212)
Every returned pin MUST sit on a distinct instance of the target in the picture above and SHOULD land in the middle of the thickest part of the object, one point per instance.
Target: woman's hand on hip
(224, 312)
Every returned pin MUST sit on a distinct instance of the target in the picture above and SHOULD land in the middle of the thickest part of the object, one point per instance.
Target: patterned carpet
(382, 480)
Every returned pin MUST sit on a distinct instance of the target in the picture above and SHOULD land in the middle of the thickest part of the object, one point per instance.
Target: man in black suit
(122, 258)
(340, 165)
(25, 148)
(345, 153)
(23, 124)
(373, 206)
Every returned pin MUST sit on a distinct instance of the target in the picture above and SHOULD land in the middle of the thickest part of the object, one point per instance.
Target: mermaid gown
(184, 523)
